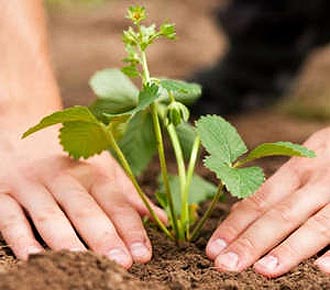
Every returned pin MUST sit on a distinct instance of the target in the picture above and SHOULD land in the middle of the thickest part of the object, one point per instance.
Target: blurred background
(85, 35)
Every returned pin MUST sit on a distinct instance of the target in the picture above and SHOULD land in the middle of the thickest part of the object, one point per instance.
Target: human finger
(280, 185)
(310, 238)
(15, 228)
(272, 227)
(130, 192)
(89, 219)
(50, 221)
(324, 262)
(125, 218)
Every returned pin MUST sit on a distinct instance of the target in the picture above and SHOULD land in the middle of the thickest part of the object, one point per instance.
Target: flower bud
(176, 113)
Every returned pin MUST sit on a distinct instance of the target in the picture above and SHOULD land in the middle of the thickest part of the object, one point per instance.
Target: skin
(39, 184)
(284, 223)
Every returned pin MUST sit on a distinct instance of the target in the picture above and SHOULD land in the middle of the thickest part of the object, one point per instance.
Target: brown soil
(84, 40)
(172, 267)
(70, 271)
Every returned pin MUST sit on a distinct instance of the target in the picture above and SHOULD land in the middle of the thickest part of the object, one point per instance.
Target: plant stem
(145, 69)
(162, 161)
(190, 173)
(207, 214)
(178, 155)
(182, 175)
(139, 190)
(160, 148)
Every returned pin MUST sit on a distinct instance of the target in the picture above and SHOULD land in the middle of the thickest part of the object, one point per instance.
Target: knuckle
(45, 215)
(320, 223)
(290, 250)
(106, 240)
(102, 175)
(8, 223)
(246, 245)
(229, 230)
(85, 212)
(283, 213)
(256, 203)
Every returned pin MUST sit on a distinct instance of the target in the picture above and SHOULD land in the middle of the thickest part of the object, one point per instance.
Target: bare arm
(27, 85)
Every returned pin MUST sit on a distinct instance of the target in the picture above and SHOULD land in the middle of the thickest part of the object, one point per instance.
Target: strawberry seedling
(131, 123)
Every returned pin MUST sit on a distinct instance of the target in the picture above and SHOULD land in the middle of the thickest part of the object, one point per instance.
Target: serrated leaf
(138, 143)
(82, 135)
(130, 71)
(73, 114)
(240, 182)
(186, 93)
(114, 86)
(200, 190)
(186, 134)
(278, 149)
(220, 138)
(146, 97)
(83, 139)
(168, 30)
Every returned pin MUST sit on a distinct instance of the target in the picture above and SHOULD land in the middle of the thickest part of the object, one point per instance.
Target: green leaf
(73, 114)
(278, 149)
(186, 134)
(168, 30)
(220, 138)
(186, 93)
(200, 190)
(131, 71)
(82, 135)
(139, 143)
(146, 97)
(114, 86)
(240, 182)
(147, 36)
(83, 139)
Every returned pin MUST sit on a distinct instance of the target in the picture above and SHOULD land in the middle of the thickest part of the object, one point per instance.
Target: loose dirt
(84, 40)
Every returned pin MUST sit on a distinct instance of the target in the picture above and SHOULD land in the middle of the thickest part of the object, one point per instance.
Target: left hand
(284, 223)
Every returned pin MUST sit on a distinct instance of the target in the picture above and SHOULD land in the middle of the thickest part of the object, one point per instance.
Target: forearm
(28, 89)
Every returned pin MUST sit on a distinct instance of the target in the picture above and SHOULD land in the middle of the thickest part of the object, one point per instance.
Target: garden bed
(176, 268)
(186, 267)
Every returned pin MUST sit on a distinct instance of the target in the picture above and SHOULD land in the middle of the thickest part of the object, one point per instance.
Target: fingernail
(228, 261)
(268, 263)
(77, 250)
(323, 264)
(33, 250)
(119, 256)
(139, 251)
(216, 247)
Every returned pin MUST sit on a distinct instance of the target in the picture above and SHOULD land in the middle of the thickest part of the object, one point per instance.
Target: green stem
(208, 212)
(172, 99)
(139, 190)
(145, 69)
(181, 172)
(190, 173)
(162, 161)
(178, 155)
(160, 147)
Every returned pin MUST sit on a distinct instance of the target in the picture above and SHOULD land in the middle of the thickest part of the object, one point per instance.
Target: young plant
(131, 123)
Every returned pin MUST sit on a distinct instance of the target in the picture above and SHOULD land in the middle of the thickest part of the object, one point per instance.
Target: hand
(71, 203)
(285, 222)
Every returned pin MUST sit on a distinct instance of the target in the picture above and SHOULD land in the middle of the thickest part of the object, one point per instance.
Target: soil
(172, 267)
(86, 39)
